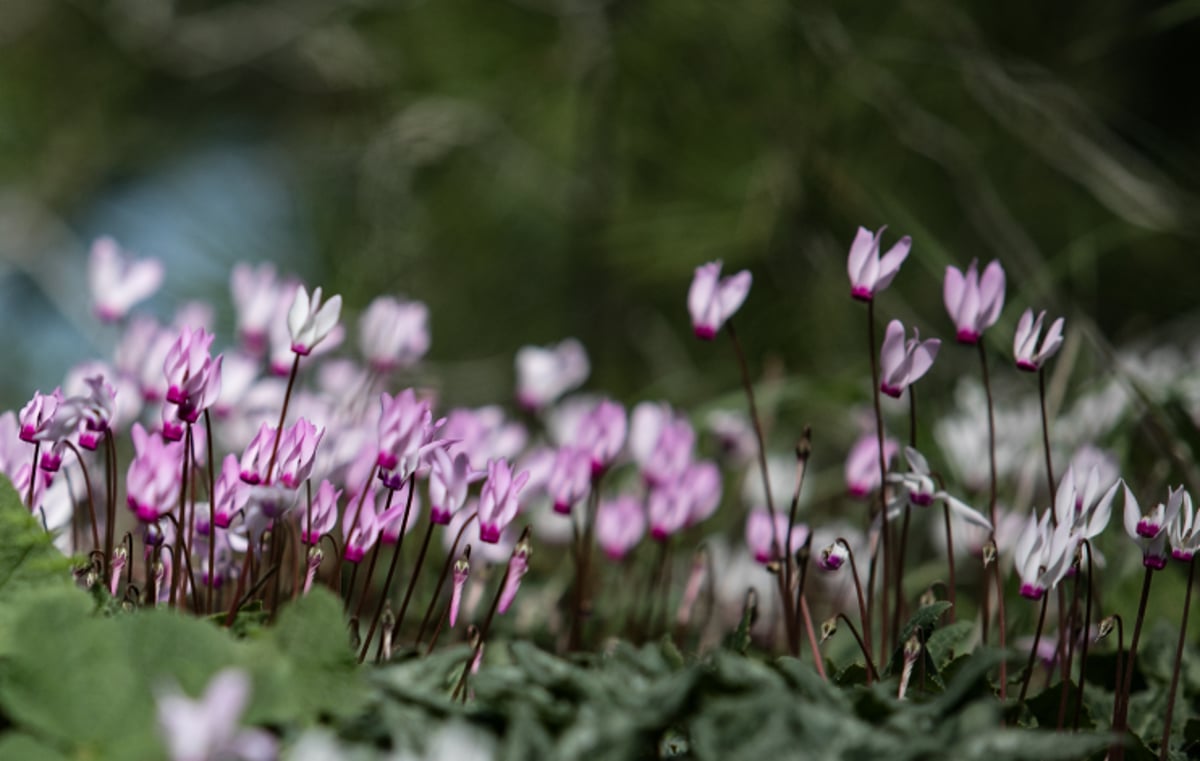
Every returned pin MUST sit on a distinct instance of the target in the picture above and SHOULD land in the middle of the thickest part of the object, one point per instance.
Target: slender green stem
(1165, 746)
(1046, 441)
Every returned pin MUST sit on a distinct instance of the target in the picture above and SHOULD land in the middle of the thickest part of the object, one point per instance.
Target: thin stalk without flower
(1164, 746)
(437, 590)
(885, 531)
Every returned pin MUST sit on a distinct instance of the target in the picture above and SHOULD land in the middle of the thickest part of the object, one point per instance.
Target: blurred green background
(534, 169)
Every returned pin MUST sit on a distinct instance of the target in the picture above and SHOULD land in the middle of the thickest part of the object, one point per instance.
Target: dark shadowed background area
(534, 169)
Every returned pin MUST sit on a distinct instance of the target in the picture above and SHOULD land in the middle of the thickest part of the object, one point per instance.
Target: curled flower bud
(828, 629)
(462, 571)
(518, 566)
(832, 557)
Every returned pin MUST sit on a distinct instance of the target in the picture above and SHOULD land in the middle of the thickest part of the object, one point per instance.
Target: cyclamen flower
(602, 433)
(1030, 354)
(1184, 532)
(518, 566)
(406, 431)
(207, 729)
(498, 503)
(449, 481)
(688, 500)
(257, 455)
(393, 333)
(186, 358)
(96, 411)
(360, 526)
(256, 294)
(297, 448)
(1043, 555)
(40, 420)
(713, 300)
(546, 373)
(323, 516)
(1081, 504)
(310, 321)
(231, 496)
(870, 274)
(920, 491)
(904, 362)
(1149, 530)
(761, 540)
(570, 478)
(974, 302)
(862, 464)
(620, 525)
(152, 483)
(661, 442)
(118, 283)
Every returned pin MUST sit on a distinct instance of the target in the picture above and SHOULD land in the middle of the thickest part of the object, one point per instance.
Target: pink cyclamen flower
(256, 295)
(862, 464)
(760, 539)
(117, 283)
(685, 502)
(152, 482)
(1149, 530)
(620, 525)
(498, 504)
(321, 519)
(602, 433)
(257, 455)
(393, 333)
(518, 566)
(309, 321)
(360, 526)
(546, 373)
(186, 359)
(661, 442)
(974, 302)
(570, 478)
(713, 300)
(870, 274)
(1043, 554)
(406, 431)
(231, 496)
(297, 449)
(1026, 348)
(449, 481)
(462, 572)
(208, 728)
(904, 362)
(702, 482)
(96, 411)
(39, 418)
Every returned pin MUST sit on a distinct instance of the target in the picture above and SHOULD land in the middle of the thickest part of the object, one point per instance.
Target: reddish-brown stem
(1127, 685)
(872, 673)
(1037, 638)
(87, 482)
(212, 517)
(437, 590)
(1046, 442)
(287, 397)
(885, 532)
(1086, 546)
(33, 474)
(863, 614)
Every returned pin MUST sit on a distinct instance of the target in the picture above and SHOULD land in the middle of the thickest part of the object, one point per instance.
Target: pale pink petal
(889, 265)
(860, 251)
(703, 290)
(732, 293)
(952, 291)
(991, 294)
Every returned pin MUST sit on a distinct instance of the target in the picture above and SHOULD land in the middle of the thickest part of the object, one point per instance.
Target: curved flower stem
(818, 661)
(87, 482)
(487, 622)
(1071, 624)
(863, 614)
(212, 516)
(110, 487)
(872, 672)
(1046, 441)
(362, 598)
(1165, 746)
(1086, 545)
(437, 590)
(1127, 684)
(1037, 638)
(33, 474)
(287, 397)
(951, 584)
(179, 539)
(785, 573)
(1001, 626)
(885, 530)
(991, 412)
(391, 572)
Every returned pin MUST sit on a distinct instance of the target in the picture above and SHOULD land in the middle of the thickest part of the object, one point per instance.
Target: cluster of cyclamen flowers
(1045, 550)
